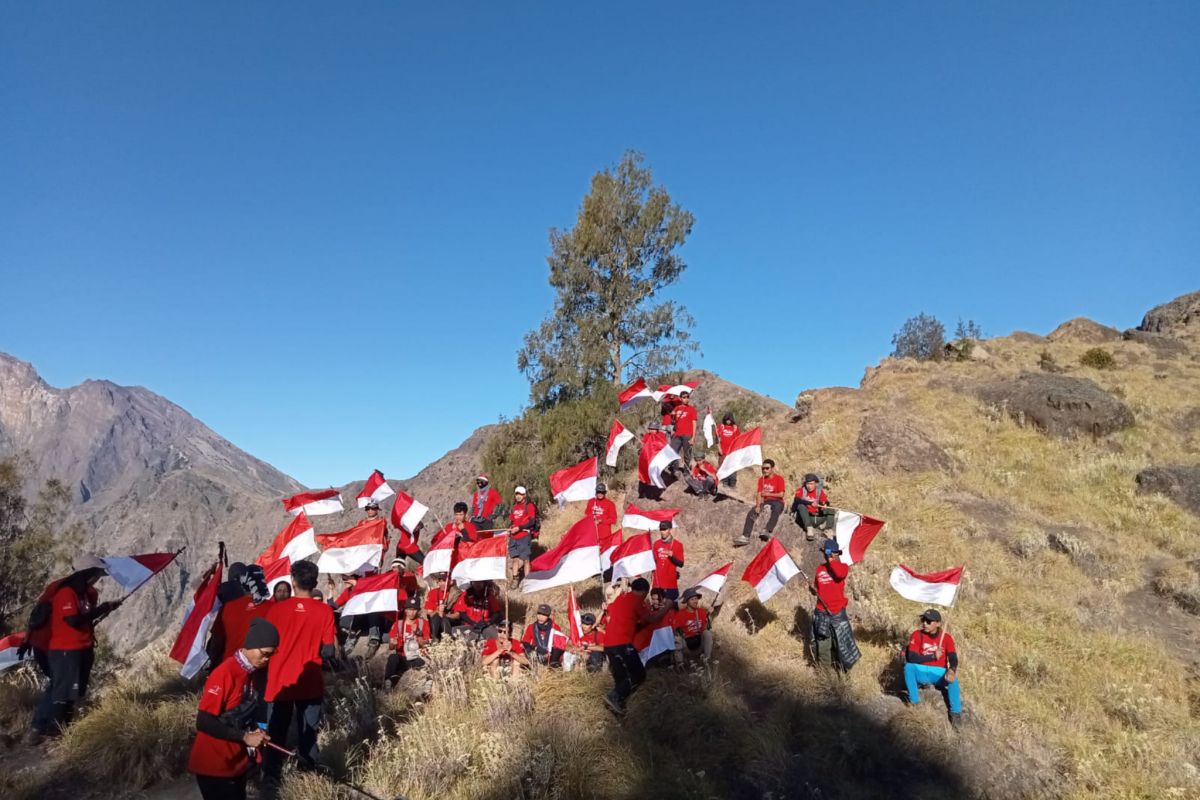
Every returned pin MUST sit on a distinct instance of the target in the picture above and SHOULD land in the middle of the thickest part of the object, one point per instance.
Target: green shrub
(1098, 358)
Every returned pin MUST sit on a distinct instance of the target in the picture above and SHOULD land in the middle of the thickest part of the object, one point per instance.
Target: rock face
(1181, 315)
(1082, 329)
(1163, 346)
(1180, 483)
(894, 445)
(1059, 405)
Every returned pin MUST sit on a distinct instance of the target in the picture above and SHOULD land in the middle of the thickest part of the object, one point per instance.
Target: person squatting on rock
(410, 638)
(930, 659)
(693, 628)
(810, 506)
(502, 652)
(544, 641)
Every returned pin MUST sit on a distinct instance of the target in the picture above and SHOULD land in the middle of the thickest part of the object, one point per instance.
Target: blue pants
(916, 675)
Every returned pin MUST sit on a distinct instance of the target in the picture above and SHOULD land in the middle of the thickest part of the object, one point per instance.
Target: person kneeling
(931, 660)
(501, 653)
(693, 630)
(410, 637)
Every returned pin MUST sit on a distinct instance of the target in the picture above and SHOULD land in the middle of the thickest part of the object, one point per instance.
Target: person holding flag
(523, 529)
(726, 432)
(833, 639)
(930, 659)
(693, 628)
(544, 641)
(410, 637)
(604, 511)
(668, 560)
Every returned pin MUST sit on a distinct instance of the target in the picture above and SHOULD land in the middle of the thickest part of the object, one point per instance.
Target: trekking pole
(339, 781)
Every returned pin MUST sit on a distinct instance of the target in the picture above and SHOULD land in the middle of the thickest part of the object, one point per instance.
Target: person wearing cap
(544, 640)
(591, 642)
(668, 560)
(693, 628)
(683, 420)
(726, 432)
(810, 505)
(70, 640)
(229, 716)
(833, 639)
(502, 651)
(604, 512)
(770, 492)
(523, 529)
(438, 600)
(409, 637)
(626, 613)
(485, 503)
(702, 480)
(931, 659)
(477, 610)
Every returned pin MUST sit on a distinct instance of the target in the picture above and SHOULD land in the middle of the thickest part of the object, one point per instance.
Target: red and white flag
(188, 649)
(574, 623)
(575, 483)
(936, 588)
(373, 594)
(485, 560)
(635, 392)
(348, 551)
(375, 489)
(277, 571)
(634, 557)
(608, 546)
(638, 519)
(665, 389)
(9, 646)
(655, 457)
(854, 532)
(325, 501)
(296, 542)
(132, 571)
(715, 581)
(770, 570)
(407, 512)
(575, 558)
(440, 557)
(661, 640)
(618, 437)
(744, 451)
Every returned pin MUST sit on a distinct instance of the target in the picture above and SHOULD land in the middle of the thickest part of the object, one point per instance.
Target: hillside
(1067, 491)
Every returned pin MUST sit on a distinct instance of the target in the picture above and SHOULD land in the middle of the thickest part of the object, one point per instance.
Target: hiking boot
(766, 537)
(611, 703)
(741, 541)
(956, 720)
(808, 536)
(372, 649)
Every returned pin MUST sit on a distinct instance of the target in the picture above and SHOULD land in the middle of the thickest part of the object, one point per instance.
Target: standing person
(464, 529)
(693, 628)
(523, 529)
(625, 614)
(604, 512)
(485, 503)
(410, 637)
(229, 714)
(72, 613)
(810, 505)
(234, 617)
(833, 639)
(543, 640)
(703, 478)
(283, 590)
(727, 431)
(668, 560)
(770, 494)
(501, 652)
(684, 419)
(295, 686)
(931, 659)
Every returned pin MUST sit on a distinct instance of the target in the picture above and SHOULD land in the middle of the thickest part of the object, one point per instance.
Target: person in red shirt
(352, 628)
(282, 591)
(523, 529)
(626, 614)
(438, 600)
(693, 628)
(544, 641)
(591, 643)
(485, 503)
(604, 512)
(410, 638)
(229, 714)
(464, 529)
(703, 478)
(931, 659)
(726, 432)
(770, 493)
(811, 507)
(833, 639)
(500, 653)
(668, 560)
(683, 420)
(234, 617)
(295, 686)
(477, 609)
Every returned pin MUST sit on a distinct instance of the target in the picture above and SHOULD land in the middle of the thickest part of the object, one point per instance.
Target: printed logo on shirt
(215, 690)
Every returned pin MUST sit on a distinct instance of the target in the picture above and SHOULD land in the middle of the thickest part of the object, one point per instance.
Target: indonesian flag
(407, 512)
(655, 457)
(132, 571)
(296, 542)
(710, 427)
(376, 489)
(935, 588)
(770, 570)
(574, 623)
(854, 532)
(635, 392)
(744, 451)
(661, 640)
(618, 437)
(374, 593)
(188, 649)
(575, 483)
(647, 520)
(665, 389)
(8, 650)
(633, 557)
(440, 557)
(608, 546)
(715, 581)
(350, 550)
(277, 571)
(484, 560)
(326, 501)
(575, 558)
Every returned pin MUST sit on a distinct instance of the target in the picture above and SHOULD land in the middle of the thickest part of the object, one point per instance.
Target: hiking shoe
(741, 541)
(766, 537)
(808, 536)
(956, 720)
(612, 705)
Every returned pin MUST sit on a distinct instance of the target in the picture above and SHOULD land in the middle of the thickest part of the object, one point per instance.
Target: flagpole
(946, 623)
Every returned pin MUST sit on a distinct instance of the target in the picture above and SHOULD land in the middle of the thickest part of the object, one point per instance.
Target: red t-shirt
(704, 469)
(492, 645)
(725, 436)
(304, 626)
(433, 597)
(684, 418)
(475, 608)
(409, 627)
(666, 574)
(522, 514)
(691, 623)
(469, 532)
(624, 614)
(66, 603)
(771, 485)
(813, 498)
(923, 644)
(220, 758)
(830, 582)
(489, 501)
(605, 513)
(233, 620)
(595, 638)
(555, 639)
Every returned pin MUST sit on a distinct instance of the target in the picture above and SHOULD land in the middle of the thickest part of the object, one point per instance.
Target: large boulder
(1180, 483)
(1163, 346)
(1082, 329)
(1058, 404)
(894, 445)
(1181, 315)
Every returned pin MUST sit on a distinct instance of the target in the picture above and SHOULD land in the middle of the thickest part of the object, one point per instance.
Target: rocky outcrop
(894, 445)
(1084, 330)
(1179, 483)
(1058, 405)
(1163, 346)
(1179, 316)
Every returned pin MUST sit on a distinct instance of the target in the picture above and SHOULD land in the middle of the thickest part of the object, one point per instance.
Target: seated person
(476, 611)
(409, 638)
(544, 641)
(693, 629)
(811, 507)
(931, 660)
(591, 643)
(703, 478)
(501, 653)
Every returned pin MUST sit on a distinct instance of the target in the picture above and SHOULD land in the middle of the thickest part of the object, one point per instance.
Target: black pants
(439, 626)
(683, 446)
(357, 625)
(307, 714)
(776, 509)
(70, 672)
(627, 670)
(731, 480)
(212, 788)
(397, 665)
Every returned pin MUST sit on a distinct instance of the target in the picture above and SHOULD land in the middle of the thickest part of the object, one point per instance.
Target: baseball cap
(372, 504)
(831, 546)
(600, 487)
(520, 490)
(931, 615)
(690, 593)
(412, 602)
(587, 619)
(544, 609)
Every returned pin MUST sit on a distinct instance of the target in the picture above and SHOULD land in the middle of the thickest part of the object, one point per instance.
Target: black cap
(412, 602)
(831, 546)
(690, 593)
(261, 634)
(600, 487)
(372, 504)
(811, 477)
(666, 525)
(587, 619)
(932, 615)
(544, 609)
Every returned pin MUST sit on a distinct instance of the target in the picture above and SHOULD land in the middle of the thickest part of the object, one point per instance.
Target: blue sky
(322, 228)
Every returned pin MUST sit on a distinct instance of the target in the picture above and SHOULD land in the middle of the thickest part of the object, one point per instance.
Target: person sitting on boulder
(499, 654)
(591, 642)
(770, 494)
(543, 640)
(932, 660)
(693, 629)
(477, 610)
(409, 637)
(703, 478)
(811, 507)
